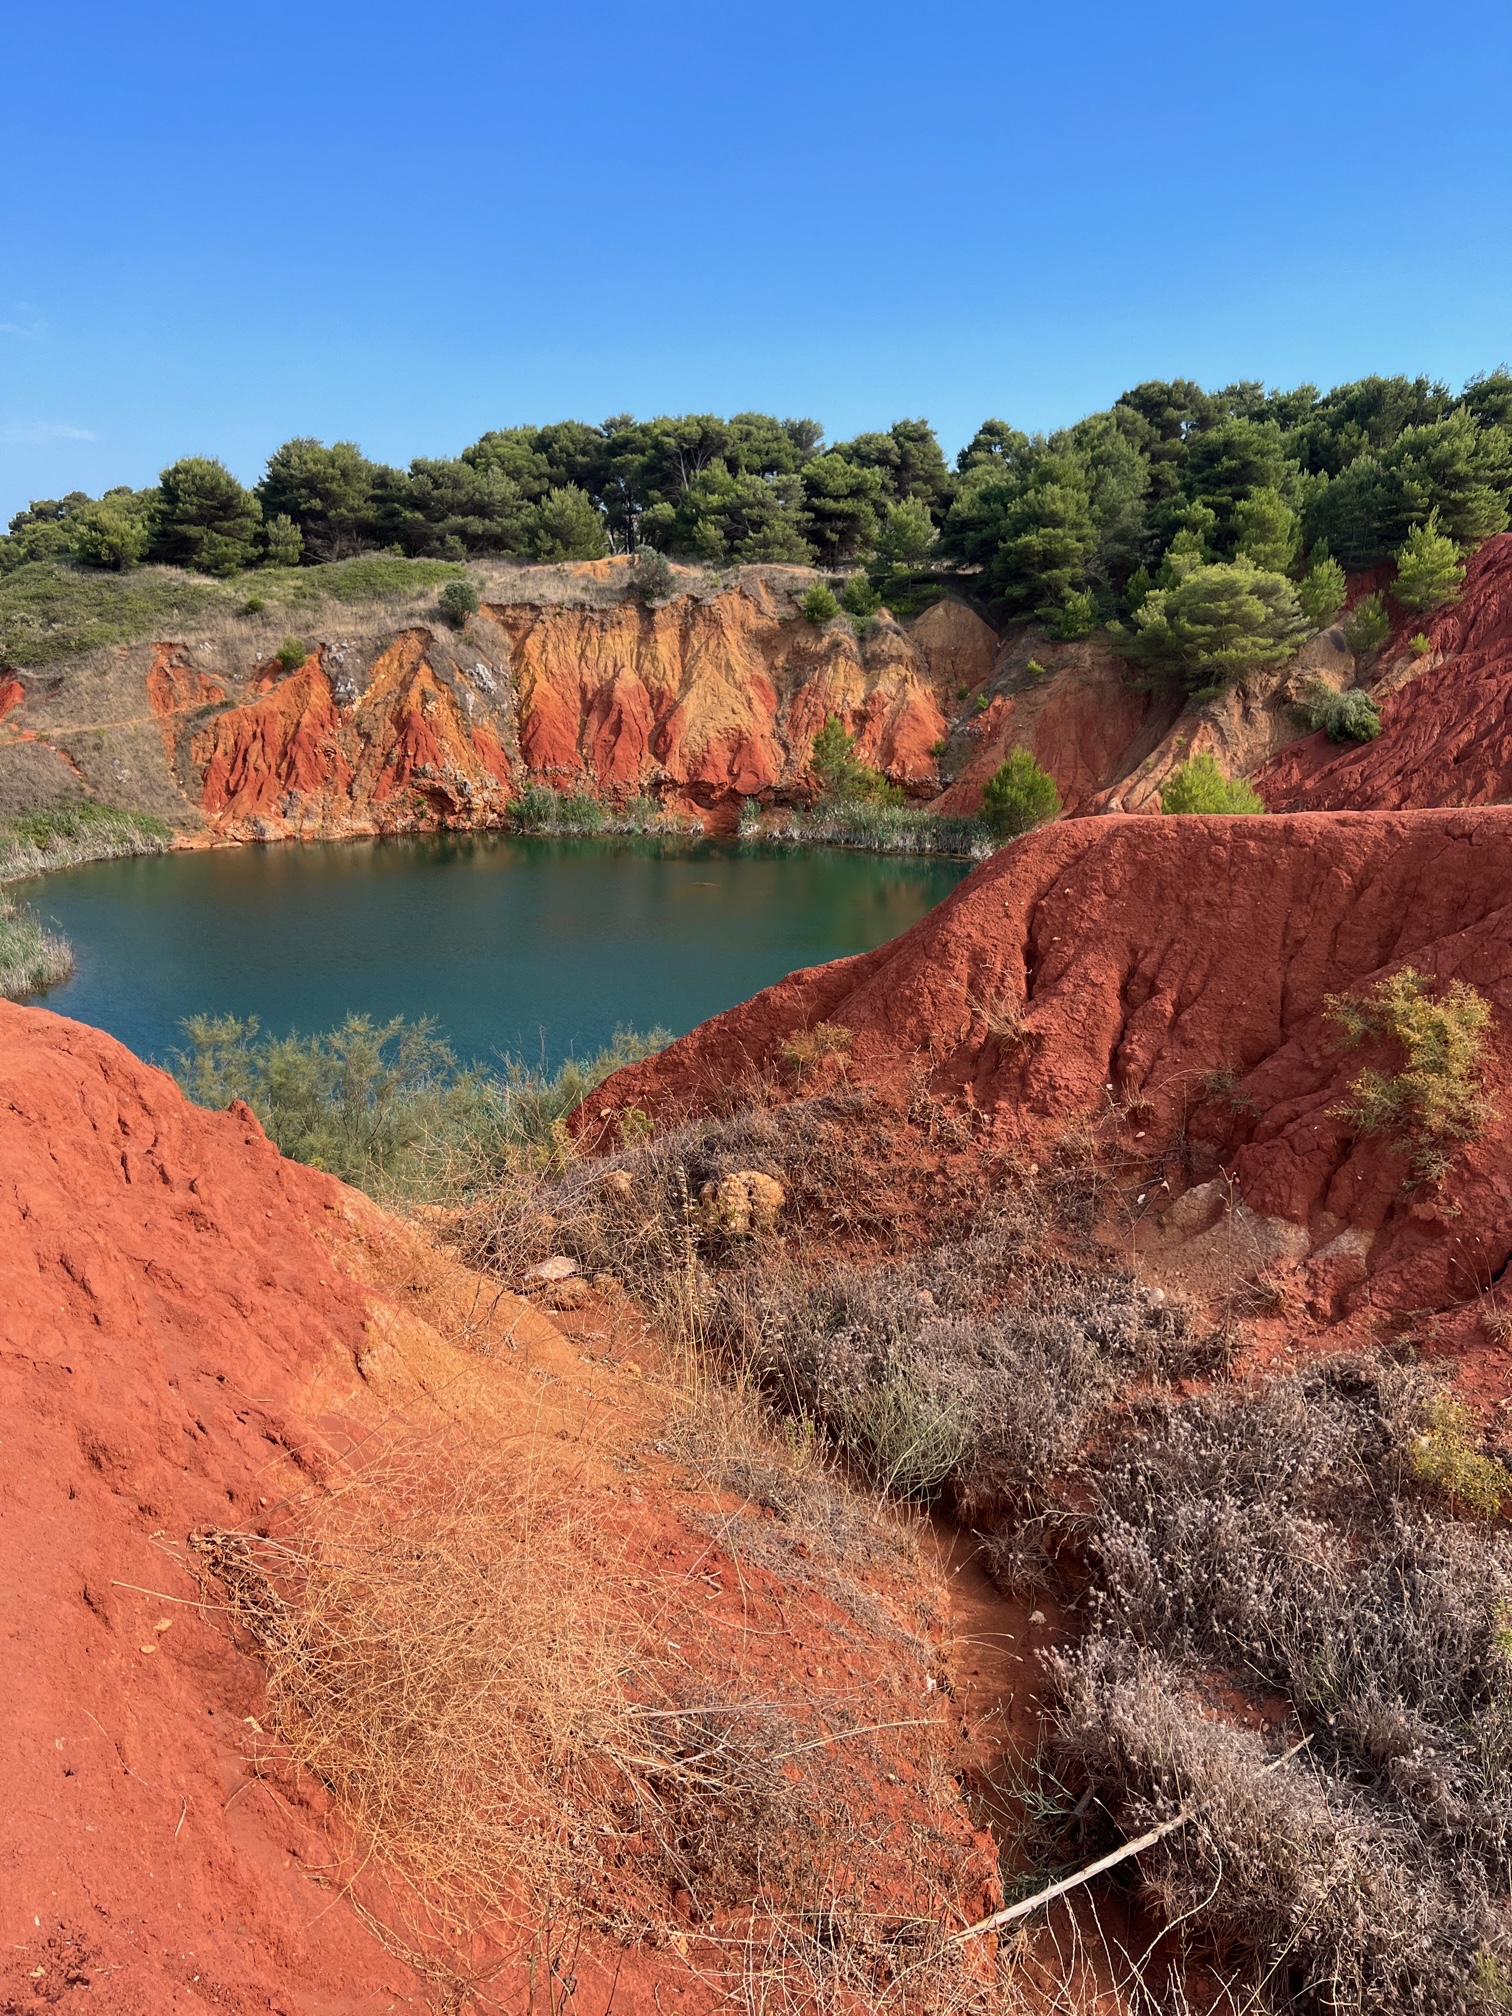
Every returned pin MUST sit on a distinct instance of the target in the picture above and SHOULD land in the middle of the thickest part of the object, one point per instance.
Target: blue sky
(404, 224)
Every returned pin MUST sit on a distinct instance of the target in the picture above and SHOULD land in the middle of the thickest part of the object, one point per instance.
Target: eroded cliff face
(697, 704)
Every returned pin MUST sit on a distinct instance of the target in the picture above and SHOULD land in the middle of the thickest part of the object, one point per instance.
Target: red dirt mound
(195, 1331)
(1446, 734)
(1170, 976)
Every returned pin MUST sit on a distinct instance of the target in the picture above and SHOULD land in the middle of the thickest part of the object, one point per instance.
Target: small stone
(557, 1268)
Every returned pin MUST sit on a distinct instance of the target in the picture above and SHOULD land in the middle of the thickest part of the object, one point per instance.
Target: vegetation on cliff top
(1078, 526)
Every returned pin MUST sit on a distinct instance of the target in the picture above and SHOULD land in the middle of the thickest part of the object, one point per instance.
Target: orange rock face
(714, 700)
(1150, 960)
(420, 745)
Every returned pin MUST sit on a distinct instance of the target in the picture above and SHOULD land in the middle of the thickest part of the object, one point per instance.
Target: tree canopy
(1083, 523)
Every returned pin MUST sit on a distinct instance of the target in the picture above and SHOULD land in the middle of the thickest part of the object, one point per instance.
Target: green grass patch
(52, 609)
(68, 835)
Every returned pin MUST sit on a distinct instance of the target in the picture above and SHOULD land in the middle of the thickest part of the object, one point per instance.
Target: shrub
(1367, 626)
(458, 600)
(1036, 670)
(1345, 717)
(1420, 645)
(1321, 592)
(1429, 570)
(253, 606)
(1448, 1459)
(859, 598)
(652, 578)
(386, 1105)
(1198, 785)
(1017, 796)
(1436, 1100)
(291, 654)
(819, 605)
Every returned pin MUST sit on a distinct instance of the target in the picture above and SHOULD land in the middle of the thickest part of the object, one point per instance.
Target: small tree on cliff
(1214, 623)
(843, 778)
(1429, 570)
(1017, 796)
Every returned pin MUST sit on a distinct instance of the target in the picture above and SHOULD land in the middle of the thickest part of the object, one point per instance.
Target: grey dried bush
(979, 1366)
(1275, 1537)
(1313, 1894)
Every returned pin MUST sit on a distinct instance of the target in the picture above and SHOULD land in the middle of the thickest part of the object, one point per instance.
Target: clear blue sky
(406, 223)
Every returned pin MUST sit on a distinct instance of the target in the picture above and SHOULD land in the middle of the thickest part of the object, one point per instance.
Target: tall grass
(388, 1107)
(71, 834)
(880, 829)
(31, 957)
(539, 809)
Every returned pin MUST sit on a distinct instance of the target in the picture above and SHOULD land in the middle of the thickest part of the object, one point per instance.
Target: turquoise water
(534, 948)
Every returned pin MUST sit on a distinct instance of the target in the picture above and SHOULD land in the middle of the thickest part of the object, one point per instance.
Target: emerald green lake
(533, 948)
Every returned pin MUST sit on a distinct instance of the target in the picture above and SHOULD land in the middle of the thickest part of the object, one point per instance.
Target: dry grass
(439, 1653)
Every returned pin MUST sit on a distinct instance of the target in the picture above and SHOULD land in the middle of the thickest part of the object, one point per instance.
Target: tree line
(1178, 516)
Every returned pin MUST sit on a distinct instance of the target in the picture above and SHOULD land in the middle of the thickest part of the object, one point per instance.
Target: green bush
(1436, 1100)
(842, 777)
(386, 1105)
(1077, 616)
(652, 578)
(1017, 796)
(1420, 645)
(819, 605)
(1367, 626)
(291, 654)
(1198, 785)
(1345, 717)
(458, 601)
(1429, 569)
(859, 598)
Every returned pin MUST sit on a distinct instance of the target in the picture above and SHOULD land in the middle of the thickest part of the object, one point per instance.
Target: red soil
(1446, 734)
(12, 692)
(195, 1329)
(1141, 955)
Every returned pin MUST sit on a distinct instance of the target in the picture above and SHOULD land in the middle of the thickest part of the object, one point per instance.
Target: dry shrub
(1277, 1537)
(1306, 1889)
(459, 1659)
(443, 1652)
(978, 1367)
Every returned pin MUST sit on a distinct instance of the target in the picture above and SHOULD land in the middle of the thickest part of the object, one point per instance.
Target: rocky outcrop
(1171, 976)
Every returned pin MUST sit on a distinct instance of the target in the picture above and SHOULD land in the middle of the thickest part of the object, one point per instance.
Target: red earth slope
(1446, 734)
(192, 1331)
(1171, 976)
